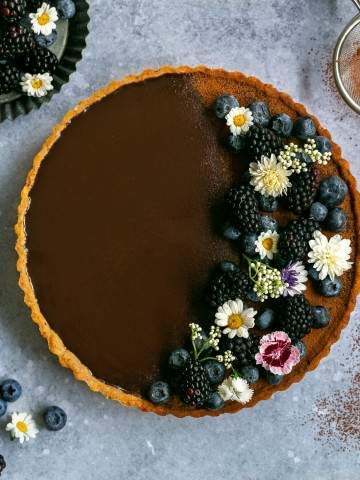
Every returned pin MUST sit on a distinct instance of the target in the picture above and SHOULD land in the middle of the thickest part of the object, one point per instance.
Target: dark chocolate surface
(119, 230)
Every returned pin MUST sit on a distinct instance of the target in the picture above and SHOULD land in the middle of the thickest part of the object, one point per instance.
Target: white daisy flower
(330, 256)
(43, 21)
(22, 426)
(236, 389)
(269, 177)
(37, 85)
(239, 120)
(266, 244)
(235, 318)
(294, 277)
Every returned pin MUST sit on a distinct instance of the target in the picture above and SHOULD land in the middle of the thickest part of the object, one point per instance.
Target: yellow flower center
(235, 321)
(43, 19)
(22, 427)
(239, 120)
(268, 243)
(36, 83)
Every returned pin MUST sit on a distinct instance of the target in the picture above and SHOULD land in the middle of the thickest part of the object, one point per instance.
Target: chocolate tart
(116, 234)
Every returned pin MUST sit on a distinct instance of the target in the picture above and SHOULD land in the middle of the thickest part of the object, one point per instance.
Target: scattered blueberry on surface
(55, 418)
(304, 128)
(332, 191)
(268, 204)
(336, 220)
(3, 407)
(330, 288)
(237, 142)
(323, 144)
(268, 223)
(214, 401)
(261, 114)
(321, 316)
(178, 358)
(66, 9)
(227, 266)
(318, 211)
(313, 273)
(46, 41)
(230, 232)
(265, 319)
(282, 124)
(248, 244)
(215, 371)
(272, 378)
(10, 390)
(250, 373)
(301, 347)
(2, 464)
(224, 104)
(159, 393)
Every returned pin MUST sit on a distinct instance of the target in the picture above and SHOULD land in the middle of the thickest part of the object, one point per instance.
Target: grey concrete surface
(288, 43)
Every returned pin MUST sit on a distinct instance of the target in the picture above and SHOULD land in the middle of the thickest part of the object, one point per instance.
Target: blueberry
(55, 418)
(159, 393)
(268, 204)
(265, 319)
(301, 347)
(304, 158)
(332, 191)
(227, 266)
(199, 341)
(321, 316)
(330, 288)
(46, 41)
(282, 124)
(318, 211)
(230, 232)
(3, 407)
(178, 358)
(304, 128)
(323, 144)
(237, 142)
(214, 401)
(66, 9)
(336, 220)
(313, 273)
(248, 244)
(252, 296)
(279, 261)
(250, 373)
(215, 371)
(246, 177)
(268, 223)
(272, 378)
(10, 390)
(261, 114)
(224, 104)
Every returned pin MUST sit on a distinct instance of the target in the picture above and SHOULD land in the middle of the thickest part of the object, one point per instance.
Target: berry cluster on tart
(28, 29)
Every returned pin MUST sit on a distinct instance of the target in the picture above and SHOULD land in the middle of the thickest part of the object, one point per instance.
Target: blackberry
(303, 190)
(295, 316)
(294, 239)
(228, 286)
(34, 5)
(242, 207)
(39, 60)
(244, 349)
(12, 10)
(194, 386)
(15, 41)
(263, 141)
(9, 78)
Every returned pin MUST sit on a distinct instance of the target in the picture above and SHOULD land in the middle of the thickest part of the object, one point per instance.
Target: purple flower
(294, 277)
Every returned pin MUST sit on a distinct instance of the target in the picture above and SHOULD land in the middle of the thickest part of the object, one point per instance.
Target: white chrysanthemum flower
(294, 277)
(235, 318)
(270, 177)
(239, 120)
(266, 244)
(43, 21)
(235, 389)
(22, 426)
(37, 85)
(330, 256)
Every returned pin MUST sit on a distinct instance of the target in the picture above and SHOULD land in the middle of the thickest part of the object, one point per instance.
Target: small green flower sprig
(290, 159)
(267, 280)
(310, 149)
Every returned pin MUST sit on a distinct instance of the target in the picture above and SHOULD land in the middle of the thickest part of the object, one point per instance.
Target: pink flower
(277, 354)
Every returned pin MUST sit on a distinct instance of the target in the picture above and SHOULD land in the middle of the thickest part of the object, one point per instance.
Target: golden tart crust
(209, 83)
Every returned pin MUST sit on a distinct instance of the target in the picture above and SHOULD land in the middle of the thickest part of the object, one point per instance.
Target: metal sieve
(347, 62)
